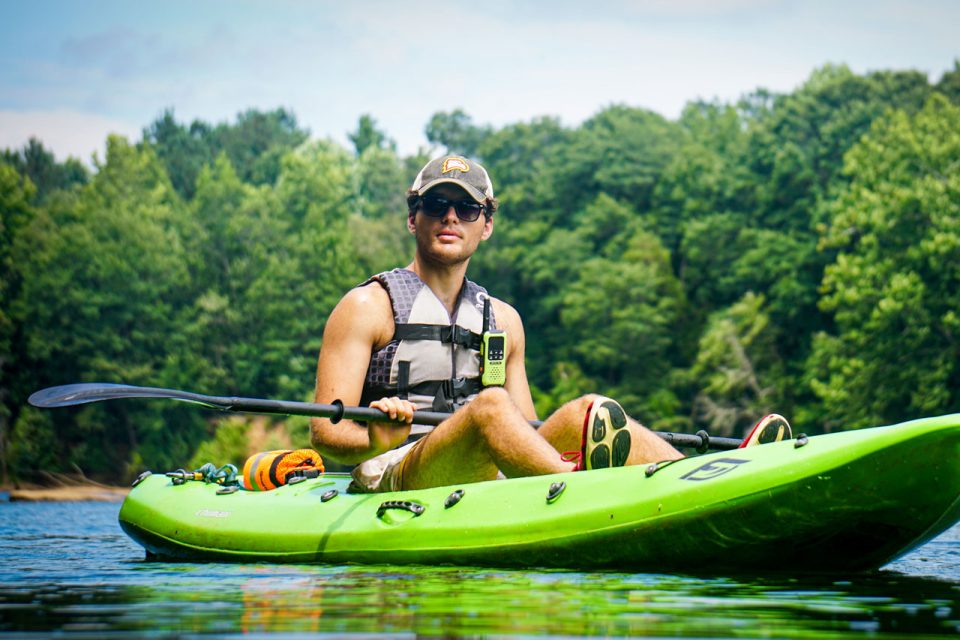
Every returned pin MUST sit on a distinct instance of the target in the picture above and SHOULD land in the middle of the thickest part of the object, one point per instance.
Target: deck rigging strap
(225, 475)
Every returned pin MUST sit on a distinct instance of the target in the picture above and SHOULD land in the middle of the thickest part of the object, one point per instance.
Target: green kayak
(840, 502)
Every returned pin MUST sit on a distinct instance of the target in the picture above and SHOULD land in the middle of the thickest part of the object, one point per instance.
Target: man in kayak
(410, 339)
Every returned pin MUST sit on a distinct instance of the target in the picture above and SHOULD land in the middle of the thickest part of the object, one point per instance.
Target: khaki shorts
(384, 472)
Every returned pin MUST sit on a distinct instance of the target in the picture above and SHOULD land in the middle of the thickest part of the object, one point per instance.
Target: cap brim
(471, 190)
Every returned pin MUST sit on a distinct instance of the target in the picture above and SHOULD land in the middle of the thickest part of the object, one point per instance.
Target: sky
(71, 72)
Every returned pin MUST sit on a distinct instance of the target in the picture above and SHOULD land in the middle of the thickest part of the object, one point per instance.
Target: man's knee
(582, 404)
(491, 399)
(490, 407)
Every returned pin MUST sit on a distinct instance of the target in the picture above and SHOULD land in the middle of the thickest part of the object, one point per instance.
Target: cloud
(120, 52)
(65, 132)
(700, 9)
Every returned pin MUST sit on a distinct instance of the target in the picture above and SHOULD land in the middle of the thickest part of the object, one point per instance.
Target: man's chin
(445, 258)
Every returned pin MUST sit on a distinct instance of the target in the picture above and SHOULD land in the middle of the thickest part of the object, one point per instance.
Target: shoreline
(75, 493)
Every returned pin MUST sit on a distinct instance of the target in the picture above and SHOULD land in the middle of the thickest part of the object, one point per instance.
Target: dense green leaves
(894, 289)
(795, 253)
(368, 136)
(255, 145)
(737, 367)
(102, 274)
(47, 175)
(16, 192)
(123, 281)
(618, 319)
(456, 132)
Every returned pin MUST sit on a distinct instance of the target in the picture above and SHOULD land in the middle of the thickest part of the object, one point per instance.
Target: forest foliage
(797, 253)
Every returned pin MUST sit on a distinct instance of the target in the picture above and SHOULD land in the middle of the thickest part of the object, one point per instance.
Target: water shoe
(771, 428)
(606, 440)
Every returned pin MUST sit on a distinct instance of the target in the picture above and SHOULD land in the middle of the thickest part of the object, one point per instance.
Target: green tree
(710, 245)
(381, 240)
(949, 84)
(381, 184)
(621, 151)
(705, 177)
(183, 150)
(456, 132)
(34, 161)
(618, 318)
(102, 275)
(524, 162)
(232, 233)
(894, 288)
(257, 143)
(273, 262)
(289, 302)
(16, 193)
(737, 368)
(368, 136)
(796, 148)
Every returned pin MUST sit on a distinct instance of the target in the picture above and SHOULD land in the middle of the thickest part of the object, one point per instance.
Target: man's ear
(487, 228)
(411, 224)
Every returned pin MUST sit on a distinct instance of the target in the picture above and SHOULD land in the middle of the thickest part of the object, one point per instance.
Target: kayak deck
(842, 502)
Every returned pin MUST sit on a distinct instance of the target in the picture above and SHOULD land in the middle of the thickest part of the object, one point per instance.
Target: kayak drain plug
(802, 441)
(555, 490)
(453, 498)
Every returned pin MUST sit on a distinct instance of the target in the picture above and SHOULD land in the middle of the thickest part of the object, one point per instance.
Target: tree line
(792, 252)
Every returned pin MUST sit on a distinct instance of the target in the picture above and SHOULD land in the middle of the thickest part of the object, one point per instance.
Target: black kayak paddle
(75, 394)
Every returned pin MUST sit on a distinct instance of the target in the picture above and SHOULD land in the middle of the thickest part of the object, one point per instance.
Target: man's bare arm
(517, 384)
(361, 322)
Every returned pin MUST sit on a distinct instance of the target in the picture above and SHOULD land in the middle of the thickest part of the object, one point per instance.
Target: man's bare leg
(491, 434)
(564, 430)
(487, 435)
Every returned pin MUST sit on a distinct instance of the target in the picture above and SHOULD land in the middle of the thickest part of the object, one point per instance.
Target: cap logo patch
(455, 164)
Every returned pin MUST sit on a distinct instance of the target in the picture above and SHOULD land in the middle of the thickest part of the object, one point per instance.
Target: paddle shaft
(76, 394)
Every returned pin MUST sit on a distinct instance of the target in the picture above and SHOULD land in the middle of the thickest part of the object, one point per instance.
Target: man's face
(448, 240)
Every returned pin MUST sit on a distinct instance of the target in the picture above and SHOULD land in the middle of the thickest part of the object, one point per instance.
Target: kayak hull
(842, 502)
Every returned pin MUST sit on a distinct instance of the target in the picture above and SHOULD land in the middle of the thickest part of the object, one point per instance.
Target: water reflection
(257, 599)
(83, 578)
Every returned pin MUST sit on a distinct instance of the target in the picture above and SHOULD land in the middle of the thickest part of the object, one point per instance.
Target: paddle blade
(73, 394)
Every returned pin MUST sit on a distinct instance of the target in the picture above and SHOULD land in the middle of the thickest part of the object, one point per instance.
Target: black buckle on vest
(454, 388)
(458, 335)
(448, 391)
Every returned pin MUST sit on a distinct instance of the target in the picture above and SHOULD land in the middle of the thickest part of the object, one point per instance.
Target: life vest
(433, 359)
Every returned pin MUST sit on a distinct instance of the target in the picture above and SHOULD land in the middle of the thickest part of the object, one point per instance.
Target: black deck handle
(405, 505)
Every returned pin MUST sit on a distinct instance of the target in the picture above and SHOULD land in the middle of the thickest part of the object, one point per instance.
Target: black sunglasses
(437, 207)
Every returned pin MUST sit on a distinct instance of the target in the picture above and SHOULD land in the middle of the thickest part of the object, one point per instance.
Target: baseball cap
(456, 170)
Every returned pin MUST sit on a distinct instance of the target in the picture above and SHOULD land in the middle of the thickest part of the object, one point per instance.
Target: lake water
(67, 570)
